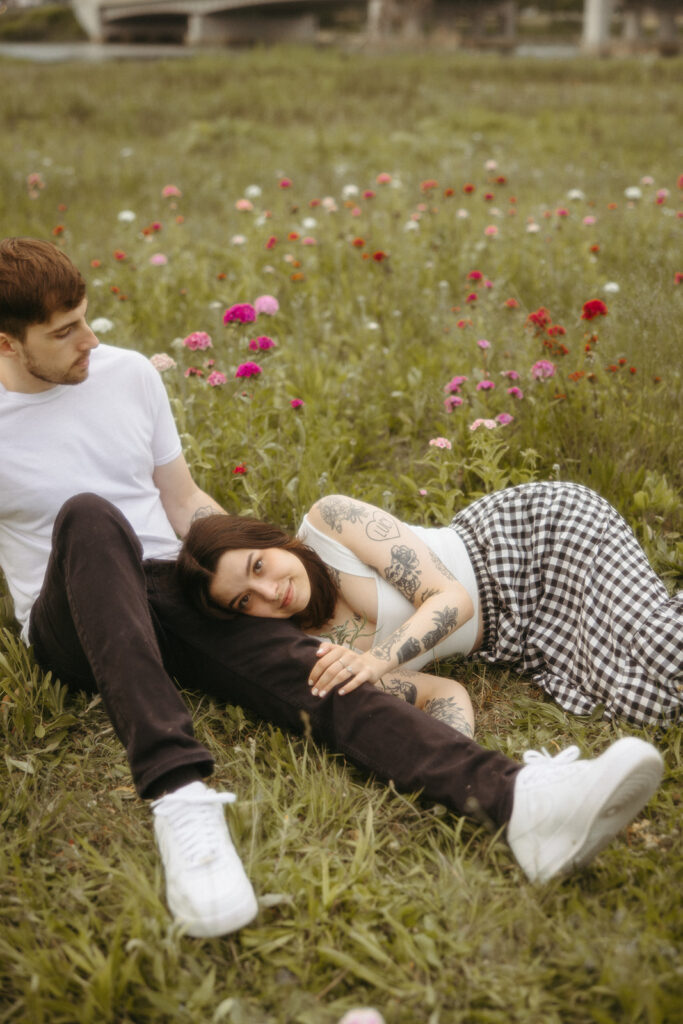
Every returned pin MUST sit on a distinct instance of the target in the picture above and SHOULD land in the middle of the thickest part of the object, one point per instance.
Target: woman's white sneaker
(565, 810)
(207, 889)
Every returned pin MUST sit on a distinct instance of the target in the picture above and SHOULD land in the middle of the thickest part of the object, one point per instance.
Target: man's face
(55, 352)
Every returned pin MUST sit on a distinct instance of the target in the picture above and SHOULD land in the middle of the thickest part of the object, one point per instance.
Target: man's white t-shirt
(104, 436)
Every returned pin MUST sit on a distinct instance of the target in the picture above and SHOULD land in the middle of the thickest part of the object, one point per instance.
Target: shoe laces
(198, 826)
(541, 756)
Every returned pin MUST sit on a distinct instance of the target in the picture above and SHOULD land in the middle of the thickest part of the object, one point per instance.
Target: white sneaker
(565, 811)
(207, 889)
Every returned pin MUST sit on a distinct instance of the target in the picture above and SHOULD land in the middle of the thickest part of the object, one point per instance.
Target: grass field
(402, 210)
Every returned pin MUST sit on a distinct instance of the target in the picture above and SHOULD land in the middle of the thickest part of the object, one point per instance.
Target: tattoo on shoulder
(403, 572)
(440, 566)
(382, 526)
(445, 622)
(400, 688)
(337, 511)
(206, 510)
(447, 710)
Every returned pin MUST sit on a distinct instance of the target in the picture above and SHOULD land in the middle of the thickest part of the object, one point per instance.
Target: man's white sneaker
(207, 889)
(565, 811)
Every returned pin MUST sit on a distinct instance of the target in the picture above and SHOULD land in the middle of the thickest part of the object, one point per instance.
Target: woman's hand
(342, 666)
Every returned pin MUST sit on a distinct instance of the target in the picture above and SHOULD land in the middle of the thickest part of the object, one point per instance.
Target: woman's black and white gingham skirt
(569, 596)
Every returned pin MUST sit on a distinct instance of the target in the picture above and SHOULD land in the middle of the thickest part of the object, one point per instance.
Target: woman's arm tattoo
(447, 710)
(403, 572)
(336, 511)
(440, 566)
(445, 622)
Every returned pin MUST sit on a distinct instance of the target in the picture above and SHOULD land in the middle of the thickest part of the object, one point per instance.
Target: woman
(546, 577)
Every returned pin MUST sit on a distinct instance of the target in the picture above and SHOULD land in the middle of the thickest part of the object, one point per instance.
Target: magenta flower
(197, 340)
(296, 403)
(285, 183)
(216, 378)
(504, 418)
(452, 402)
(483, 343)
(158, 259)
(267, 304)
(171, 192)
(242, 313)
(543, 370)
(485, 385)
(516, 392)
(441, 442)
(248, 370)
(510, 374)
(454, 384)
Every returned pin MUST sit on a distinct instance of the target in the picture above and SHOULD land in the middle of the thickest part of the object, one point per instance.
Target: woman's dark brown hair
(210, 537)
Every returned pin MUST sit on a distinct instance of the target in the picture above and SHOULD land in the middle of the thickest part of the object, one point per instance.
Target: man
(94, 491)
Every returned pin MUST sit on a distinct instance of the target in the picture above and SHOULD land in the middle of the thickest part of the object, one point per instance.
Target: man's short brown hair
(36, 280)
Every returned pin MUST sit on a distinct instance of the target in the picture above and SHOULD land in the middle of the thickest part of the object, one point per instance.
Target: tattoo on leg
(400, 688)
(336, 511)
(447, 710)
(403, 573)
(445, 622)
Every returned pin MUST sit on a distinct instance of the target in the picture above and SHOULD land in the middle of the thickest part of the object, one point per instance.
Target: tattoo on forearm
(440, 566)
(400, 688)
(403, 572)
(447, 710)
(445, 622)
(410, 649)
(382, 527)
(383, 651)
(206, 510)
(336, 511)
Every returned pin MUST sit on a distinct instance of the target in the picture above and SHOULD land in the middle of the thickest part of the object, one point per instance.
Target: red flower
(555, 329)
(488, 196)
(298, 276)
(593, 308)
(448, 192)
(678, 277)
(501, 179)
(595, 248)
(379, 256)
(58, 229)
(475, 275)
(468, 189)
(239, 470)
(472, 297)
(539, 319)
(429, 184)
(119, 254)
(293, 236)
(358, 243)
(632, 369)
(272, 242)
(511, 304)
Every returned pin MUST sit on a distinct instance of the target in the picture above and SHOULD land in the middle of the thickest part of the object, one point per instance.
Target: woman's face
(268, 583)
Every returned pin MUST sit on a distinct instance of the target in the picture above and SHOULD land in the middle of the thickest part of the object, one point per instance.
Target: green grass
(368, 897)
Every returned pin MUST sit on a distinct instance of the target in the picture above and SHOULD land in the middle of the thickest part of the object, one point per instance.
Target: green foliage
(367, 897)
(53, 23)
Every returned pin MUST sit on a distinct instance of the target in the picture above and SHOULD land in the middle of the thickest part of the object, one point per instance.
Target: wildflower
(412, 224)
(358, 243)
(309, 223)
(464, 323)
(504, 418)
(271, 243)
(678, 277)
(368, 194)
(239, 470)
(329, 204)
(428, 185)
(422, 492)
(468, 189)
(662, 196)
(100, 325)
(532, 228)
(539, 319)
(575, 194)
(264, 343)
(448, 192)
(593, 308)
(590, 219)
(483, 343)
(489, 196)
(501, 180)
(171, 192)
(308, 240)
(491, 230)
(248, 370)
(543, 369)
(95, 263)
(611, 288)
(441, 442)
(162, 362)
(285, 183)
(126, 216)
(455, 384)
(296, 403)
(119, 255)
(297, 277)
(293, 236)
(193, 371)
(216, 378)
(491, 165)
(562, 212)
(489, 424)
(595, 248)
(356, 211)
(198, 340)
(364, 1014)
(511, 304)
(34, 183)
(632, 369)
(244, 205)
(633, 192)
(451, 402)
(649, 180)
(349, 190)
(253, 191)
(379, 256)
(516, 392)
(485, 385)
(158, 259)
(242, 312)
(462, 214)
(475, 275)
(267, 304)
(237, 240)
(383, 178)
(472, 297)
(577, 375)
(510, 374)
(58, 230)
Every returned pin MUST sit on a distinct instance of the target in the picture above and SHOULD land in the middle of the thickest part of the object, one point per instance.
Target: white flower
(633, 192)
(309, 223)
(411, 225)
(491, 165)
(126, 216)
(575, 194)
(611, 288)
(252, 191)
(462, 214)
(329, 204)
(238, 240)
(349, 191)
(532, 229)
(371, 325)
(101, 325)
(126, 152)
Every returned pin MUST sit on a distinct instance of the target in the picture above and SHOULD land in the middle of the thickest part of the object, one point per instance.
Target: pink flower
(483, 343)
(193, 371)
(368, 194)
(562, 212)
(271, 243)
(485, 385)
(248, 370)
(475, 275)
(171, 192)
(510, 374)
(253, 345)
(454, 384)
(383, 178)
(441, 442)
(489, 424)
(296, 403)
(422, 492)
(307, 240)
(452, 402)
(264, 343)
(491, 230)
(472, 297)
(160, 361)
(158, 259)
(504, 418)
(286, 183)
(197, 340)
(516, 392)
(543, 369)
(244, 205)
(590, 219)
(216, 378)
(267, 304)
(242, 313)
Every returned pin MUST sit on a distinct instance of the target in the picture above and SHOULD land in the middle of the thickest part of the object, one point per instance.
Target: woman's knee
(91, 518)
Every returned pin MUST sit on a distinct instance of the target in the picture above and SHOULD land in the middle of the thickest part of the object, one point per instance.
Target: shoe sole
(633, 770)
(213, 927)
